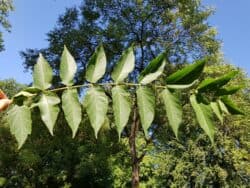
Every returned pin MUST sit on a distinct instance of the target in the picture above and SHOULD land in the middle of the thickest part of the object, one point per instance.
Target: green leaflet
(121, 107)
(48, 106)
(173, 109)
(146, 106)
(231, 107)
(32, 90)
(19, 118)
(154, 69)
(72, 109)
(96, 104)
(204, 117)
(181, 86)
(67, 67)
(20, 97)
(97, 65)
(222, 106)
(228, 90)
(42, 75)
(188, 74)
(216, 109)
(124, 66)
(212, 84)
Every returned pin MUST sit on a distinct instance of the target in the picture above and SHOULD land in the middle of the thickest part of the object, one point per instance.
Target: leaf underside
(19, 118)
(204, 117)
(42, 75)
(121, 107)
(48, 106)
(67, 68)
(96, 104)
(173, 109)
(146, 107)
(72, 109)
(97, 65)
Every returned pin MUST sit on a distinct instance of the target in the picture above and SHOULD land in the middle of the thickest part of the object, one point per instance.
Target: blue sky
(32, 19)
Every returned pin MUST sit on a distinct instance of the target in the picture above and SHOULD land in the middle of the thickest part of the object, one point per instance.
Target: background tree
(5, 7)
(178, 27)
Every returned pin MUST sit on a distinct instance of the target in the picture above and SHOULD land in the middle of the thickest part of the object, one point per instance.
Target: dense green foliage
(191, 161)
(179, 108)
(5, 7)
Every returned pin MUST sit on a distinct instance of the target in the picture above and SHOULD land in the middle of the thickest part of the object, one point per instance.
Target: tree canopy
(179, 28)
(5, 7)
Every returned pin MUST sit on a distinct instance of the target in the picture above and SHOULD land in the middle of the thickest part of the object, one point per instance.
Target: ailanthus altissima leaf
(228, 90)
(48, 105)
(216, 109)
(121, 107)
(124, 66)
(67, 68)
(213, 84)
(222, 106)
(72, 109)
(42, 75)
(231, 107)
(21, 96)
(181, 86)
(97, 65)
(154, 69)
(204, 116)
(96, 104)
(146, 106)
(19, 118)
(188, 74)
(173, 109)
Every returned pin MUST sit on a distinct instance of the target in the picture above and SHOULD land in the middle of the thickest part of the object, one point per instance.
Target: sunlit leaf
(72, 109)
(97, 65)
(121, 106)
(216, 109)
(173, 109)
(231, 107)
(19, 118)
(48, 105)
(188, 74)
(228, 90)
(181, 86)
(67, 67)
(223, 107)
(204, 116)
(146, 106)
(154, 69)
(124, 66)
(213, 84)
(42, 75)
(96, 104)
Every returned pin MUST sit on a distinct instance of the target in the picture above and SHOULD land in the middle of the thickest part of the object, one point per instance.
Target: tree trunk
(135, 175)
(132, 143)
